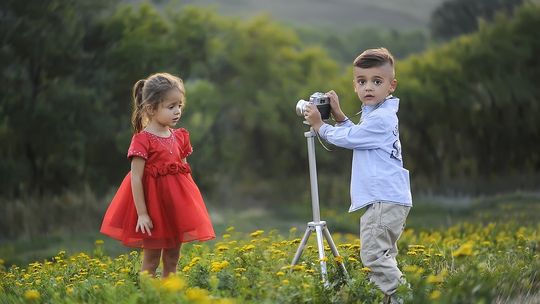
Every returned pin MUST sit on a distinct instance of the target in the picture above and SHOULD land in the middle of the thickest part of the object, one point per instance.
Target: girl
(158, 206)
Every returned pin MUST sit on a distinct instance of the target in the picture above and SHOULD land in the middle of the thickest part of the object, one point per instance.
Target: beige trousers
(380, 228)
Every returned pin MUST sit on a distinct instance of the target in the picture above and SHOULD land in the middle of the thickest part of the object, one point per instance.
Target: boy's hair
(374, 58)
(151, 92)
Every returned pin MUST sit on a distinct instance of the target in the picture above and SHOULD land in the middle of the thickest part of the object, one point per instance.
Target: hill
(336, 14)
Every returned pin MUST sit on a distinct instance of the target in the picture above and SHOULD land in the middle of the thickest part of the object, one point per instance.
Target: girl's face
(168, 111)
(373, 85)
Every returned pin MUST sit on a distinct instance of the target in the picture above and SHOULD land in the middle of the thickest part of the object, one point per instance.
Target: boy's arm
(367, 135)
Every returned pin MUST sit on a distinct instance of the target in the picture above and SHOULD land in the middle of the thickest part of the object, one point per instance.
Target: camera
(320, 100)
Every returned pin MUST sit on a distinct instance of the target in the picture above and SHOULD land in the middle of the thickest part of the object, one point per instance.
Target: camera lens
(300, 107)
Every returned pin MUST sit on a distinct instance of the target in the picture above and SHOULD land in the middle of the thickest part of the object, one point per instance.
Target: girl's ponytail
(137, 114)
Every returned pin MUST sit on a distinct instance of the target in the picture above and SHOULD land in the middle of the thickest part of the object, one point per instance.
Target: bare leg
(170, 260)
(151, 260)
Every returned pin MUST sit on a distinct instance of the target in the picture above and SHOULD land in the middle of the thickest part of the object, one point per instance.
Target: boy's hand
(334, 105)
(313, 117)
(144, 223)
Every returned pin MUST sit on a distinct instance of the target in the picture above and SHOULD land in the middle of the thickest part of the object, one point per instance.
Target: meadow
(491, 256)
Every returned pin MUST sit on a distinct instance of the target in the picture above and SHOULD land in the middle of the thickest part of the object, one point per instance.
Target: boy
(378, 181)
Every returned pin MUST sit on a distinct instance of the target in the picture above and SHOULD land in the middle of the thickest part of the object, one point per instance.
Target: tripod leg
(332, 245)
(320, 244)
(301, 246)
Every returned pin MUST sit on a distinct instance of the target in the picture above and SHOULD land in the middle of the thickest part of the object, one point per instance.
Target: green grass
(428, 213)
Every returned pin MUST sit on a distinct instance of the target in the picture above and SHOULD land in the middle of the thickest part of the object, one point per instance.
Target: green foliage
(44, 96)
(466, 263)
(344, 47)
(470, 107)
(457, 17)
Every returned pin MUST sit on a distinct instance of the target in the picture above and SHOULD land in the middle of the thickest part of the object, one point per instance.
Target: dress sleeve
(185, 144)
(139, 146)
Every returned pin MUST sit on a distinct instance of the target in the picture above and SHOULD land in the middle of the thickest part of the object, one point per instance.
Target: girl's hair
(150, 92)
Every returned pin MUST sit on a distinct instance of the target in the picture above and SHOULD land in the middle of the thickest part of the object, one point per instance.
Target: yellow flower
(285, 282)
(435, 295)
(218, 266)
(2, 261)
(247, 248)
(69, 291)
(173, 283)
(435, 279)
(299, 267)
(257, 233)
(197, 294)
(194, 261)
(339, 259)
(464, 250)
(366, 269)
(226, 236)
(99, 242)
(31, 294)
(351, 259)
(230, 229)
(413, 269)
(280, 273)
(324, 259)
(222, 248)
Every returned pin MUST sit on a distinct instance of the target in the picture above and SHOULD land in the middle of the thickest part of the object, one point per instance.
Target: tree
(456, 17)
(43, 48)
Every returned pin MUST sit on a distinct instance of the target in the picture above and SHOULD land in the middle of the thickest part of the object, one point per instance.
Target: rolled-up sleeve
(367, 135)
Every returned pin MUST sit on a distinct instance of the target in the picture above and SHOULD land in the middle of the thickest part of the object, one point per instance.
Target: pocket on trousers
(370, 242)
(393, 216)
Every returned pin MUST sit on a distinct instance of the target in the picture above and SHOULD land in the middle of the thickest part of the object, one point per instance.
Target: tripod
(316, 225)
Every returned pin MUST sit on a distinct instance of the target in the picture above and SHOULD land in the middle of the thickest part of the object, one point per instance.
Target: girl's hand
(334, 105)
(313, 116)
(144, 223)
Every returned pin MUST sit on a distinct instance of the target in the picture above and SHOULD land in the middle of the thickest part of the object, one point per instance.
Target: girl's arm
(144, 223)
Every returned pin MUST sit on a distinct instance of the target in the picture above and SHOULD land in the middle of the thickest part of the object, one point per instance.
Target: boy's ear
(393, 85)
(354, 86)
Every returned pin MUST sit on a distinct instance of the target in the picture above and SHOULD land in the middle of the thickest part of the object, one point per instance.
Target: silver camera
(318, 99)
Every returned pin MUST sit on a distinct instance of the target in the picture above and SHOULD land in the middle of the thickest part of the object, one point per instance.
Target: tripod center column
(313, 175)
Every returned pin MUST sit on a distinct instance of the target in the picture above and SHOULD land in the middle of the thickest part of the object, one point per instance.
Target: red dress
(173, 201)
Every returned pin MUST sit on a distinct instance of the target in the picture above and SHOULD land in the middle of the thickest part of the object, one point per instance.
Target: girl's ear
(149, 110)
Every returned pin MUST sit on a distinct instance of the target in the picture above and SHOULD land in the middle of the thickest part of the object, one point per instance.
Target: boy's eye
(378, 82)
(361, 81)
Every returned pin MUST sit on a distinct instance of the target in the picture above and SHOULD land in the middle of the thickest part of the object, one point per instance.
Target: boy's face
(373, 85)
